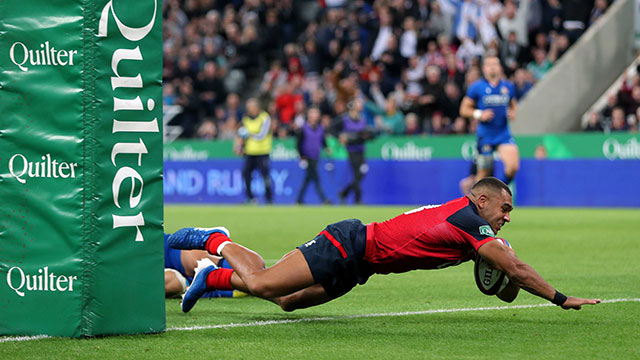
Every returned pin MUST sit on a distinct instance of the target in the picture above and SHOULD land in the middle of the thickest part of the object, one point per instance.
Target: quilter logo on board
(42, 280)
(130, 119)
(45, 54)
(22, 168)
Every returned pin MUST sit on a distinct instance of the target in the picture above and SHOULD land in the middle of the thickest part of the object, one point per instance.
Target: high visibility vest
(259, 137)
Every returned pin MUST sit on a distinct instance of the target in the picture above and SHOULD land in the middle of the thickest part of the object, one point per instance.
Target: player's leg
(263, 166)
(354, 172)
(359, 175)
(510, 157)
(315, 177)
(289, 275)
(466, 183)
(311, 296)
(174, 283)
(189, 259)
(249, 165)
(333, 258)
(484, 160)
(305, 183)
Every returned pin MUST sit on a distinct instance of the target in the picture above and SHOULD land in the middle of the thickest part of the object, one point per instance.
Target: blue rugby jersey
(496, 98)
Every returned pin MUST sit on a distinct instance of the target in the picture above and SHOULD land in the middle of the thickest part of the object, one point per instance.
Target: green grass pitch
(582, 252)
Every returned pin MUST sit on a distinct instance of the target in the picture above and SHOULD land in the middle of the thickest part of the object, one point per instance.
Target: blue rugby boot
(194, 238)
(198, 285)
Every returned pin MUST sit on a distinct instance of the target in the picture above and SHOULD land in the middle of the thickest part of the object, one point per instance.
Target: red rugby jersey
(431, 237)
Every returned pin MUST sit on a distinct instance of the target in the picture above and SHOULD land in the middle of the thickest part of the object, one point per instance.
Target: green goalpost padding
(81, 246)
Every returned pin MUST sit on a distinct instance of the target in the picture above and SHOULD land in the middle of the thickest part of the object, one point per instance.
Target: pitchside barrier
(81, 249)
(577, 170)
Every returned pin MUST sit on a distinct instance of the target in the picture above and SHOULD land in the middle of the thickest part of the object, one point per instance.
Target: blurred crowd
(622, 110)
(409, 61)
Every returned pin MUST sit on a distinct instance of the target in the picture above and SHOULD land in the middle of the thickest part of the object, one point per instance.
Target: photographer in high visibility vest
(256, 143)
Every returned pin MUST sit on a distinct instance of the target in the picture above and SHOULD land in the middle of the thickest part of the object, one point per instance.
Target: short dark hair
(492, 183)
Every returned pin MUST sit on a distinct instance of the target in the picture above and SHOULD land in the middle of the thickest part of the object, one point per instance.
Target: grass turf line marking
(332, 318)
(392, 314)
(24, 338)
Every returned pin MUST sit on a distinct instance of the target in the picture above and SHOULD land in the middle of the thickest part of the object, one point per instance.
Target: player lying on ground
(347, 253)
(179, 269)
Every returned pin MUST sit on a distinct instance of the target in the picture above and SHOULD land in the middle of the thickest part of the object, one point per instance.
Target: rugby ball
(489, 280)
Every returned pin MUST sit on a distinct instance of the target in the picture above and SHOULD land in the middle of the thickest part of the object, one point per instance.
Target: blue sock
(218, 294)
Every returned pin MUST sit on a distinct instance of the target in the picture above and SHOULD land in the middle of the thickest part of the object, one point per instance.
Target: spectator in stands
(452, 100)
(288, 95)
(271, 35)
(273, 79)
(459, 126)
(409, 38)
(540, 153)
(168, 94)
(514, 19)
(511, 54)
(559, 45)
(388, 118)
(633, 121)
(433, 56)
(469, 51)
(319, 100)
(630, 101)
(310, 59)
(551, 16)
(440, 125)
(521, 83)
(190, 109)
(207, 130)
(311, 141)
(575, 16)
(412, 77)
(454, 70)
(385, 32)
(540, 64)
(228, 130)
(233, 107)
(392, 64)
(600, 6)
(593, 124)
(211, 88)
(612, 102)
(618, 120)
(412, 126)
(434, 96)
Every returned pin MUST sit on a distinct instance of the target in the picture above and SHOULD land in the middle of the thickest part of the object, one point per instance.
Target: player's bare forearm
(512, 110)
(526, 278)
(466, 107)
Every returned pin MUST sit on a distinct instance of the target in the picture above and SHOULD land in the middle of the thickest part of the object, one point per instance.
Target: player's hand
(511, 114)
(576, 303)
(487, 115)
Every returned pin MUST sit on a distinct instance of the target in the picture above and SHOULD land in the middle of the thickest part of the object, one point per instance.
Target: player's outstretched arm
(524, 276)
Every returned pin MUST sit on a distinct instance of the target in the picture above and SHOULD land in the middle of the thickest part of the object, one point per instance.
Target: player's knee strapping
(485, 161)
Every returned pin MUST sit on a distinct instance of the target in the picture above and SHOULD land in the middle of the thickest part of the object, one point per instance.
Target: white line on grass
(333, 318)
(23, 338)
